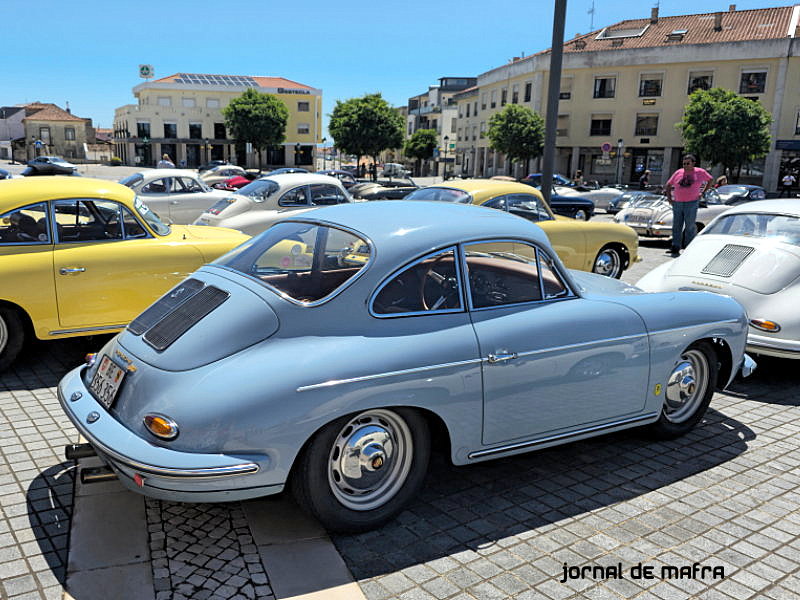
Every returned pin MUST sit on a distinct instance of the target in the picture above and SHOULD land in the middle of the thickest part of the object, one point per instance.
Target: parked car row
(232, 375)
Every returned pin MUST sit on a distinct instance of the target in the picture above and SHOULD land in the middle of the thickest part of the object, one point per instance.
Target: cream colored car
(269, 199)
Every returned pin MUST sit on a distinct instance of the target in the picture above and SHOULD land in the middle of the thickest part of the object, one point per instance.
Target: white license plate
(106, 381)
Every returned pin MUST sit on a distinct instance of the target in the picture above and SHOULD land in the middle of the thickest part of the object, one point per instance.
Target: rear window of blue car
(306, 263)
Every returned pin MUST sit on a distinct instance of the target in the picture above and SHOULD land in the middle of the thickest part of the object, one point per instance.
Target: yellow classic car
(604, 248)
(85, 256)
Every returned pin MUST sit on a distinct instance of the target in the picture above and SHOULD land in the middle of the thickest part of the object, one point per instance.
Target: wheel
(359, 471)
(12, 336)
(608, 262)
(688, 391)
(581, 215)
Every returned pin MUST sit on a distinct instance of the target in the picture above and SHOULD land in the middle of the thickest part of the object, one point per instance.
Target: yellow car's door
(108, 268)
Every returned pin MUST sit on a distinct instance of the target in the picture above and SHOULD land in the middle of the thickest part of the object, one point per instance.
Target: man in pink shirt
(683, 190)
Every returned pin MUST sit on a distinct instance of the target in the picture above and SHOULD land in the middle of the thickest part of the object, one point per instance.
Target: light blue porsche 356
(326, 354)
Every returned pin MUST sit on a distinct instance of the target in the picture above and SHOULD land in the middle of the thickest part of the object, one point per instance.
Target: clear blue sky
(87, 52)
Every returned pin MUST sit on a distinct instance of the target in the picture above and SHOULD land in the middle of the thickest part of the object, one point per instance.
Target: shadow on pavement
(49, 508)
(470, 508)
(774, 381)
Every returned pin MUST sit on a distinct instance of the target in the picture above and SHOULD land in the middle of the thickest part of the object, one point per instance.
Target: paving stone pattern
(36, 483)
(203, 551)
(725, 495)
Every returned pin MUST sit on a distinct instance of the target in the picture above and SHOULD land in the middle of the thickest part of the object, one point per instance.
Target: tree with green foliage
(517, 132)
(257, 118)
(721, 127)
(365, 126)
(421, 145)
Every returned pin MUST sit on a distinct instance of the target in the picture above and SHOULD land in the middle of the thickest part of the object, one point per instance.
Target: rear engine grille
(170, 301)
(727, 260)
(180, 320)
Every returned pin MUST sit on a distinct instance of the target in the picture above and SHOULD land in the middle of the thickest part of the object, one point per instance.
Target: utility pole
(553, 90)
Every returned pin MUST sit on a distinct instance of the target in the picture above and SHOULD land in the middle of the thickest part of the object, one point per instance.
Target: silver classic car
(325, 354)
(751, 253)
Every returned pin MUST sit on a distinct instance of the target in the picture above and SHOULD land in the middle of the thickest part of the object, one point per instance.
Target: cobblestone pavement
(36, 483)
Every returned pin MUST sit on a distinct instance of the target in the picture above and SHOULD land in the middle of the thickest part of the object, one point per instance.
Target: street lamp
(323, 152)
(620, 146)
(444, 170)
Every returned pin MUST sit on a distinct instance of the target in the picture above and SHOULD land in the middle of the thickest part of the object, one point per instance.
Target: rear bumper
(164, 473)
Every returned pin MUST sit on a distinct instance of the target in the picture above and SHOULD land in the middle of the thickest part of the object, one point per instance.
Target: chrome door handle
(173, 202)
(71, 270)
(496, 358)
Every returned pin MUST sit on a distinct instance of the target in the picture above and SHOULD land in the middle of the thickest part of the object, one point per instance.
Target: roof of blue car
(399, 228)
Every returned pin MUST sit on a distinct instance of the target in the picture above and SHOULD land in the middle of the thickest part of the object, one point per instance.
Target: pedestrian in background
(165, 163)
(721, 180)
(578, 179)
(787, 181)
(683, 190)
(373, 171)
(644, 180)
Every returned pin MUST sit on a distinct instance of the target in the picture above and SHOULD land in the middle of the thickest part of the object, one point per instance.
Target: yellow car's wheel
(608, 262)
(12, 336)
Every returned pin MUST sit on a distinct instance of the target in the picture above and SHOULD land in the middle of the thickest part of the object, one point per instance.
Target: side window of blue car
(428, 285)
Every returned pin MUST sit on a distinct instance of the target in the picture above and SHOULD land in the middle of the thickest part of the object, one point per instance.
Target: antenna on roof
(591, 21)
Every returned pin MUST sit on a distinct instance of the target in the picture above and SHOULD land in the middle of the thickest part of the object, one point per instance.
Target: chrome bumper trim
(199, 473)
(562, 436)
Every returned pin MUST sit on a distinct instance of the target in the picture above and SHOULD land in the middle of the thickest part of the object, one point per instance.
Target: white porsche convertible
(751, 253)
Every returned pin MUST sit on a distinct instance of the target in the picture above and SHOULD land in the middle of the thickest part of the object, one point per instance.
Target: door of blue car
(553, 361)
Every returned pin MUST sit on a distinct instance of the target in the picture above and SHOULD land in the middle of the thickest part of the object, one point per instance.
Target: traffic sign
(146, 71)
(606, 147)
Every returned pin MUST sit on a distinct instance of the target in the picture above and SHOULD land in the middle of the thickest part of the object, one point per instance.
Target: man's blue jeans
(684, 223)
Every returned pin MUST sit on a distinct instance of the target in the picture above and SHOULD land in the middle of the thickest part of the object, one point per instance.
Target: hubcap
(370, 460)
(607, 263)
(686, 386)
(3, 334)
(580, 215)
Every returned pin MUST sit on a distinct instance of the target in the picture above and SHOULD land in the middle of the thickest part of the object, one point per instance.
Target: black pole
(553, 90)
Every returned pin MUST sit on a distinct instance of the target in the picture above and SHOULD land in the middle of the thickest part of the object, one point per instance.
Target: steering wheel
(447, 286)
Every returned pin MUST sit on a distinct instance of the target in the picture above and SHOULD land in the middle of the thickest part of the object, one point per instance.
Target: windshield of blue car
(131, 180)
(303, 262)
(150, 217)
(782, 228)
(259, 190)
(440, 194)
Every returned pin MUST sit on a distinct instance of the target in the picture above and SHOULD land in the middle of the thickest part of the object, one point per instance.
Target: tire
(398, 438)
(608, 262)
(688, 392)
(581, 215)
(12, 336)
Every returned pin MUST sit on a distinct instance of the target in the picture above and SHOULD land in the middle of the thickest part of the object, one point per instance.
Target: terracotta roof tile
(40, 111)
(737, 26)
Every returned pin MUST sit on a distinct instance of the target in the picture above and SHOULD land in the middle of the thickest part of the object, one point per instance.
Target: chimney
(654, 15)
(718, 22)
(732, 8)
(68, 110)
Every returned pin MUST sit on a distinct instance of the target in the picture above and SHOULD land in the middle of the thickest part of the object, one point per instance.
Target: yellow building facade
(624, 89)
(181, 116)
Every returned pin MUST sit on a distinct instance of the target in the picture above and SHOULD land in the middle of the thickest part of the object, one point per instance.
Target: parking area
(645, 516)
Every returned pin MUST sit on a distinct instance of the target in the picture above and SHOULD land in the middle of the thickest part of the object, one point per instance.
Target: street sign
(146, 71)
(606, 147)
(435, 153)
(452, 145)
